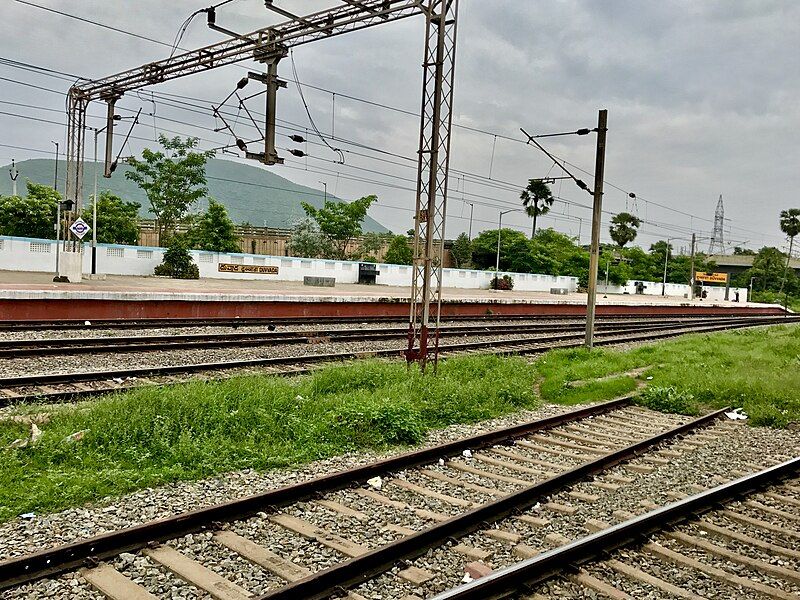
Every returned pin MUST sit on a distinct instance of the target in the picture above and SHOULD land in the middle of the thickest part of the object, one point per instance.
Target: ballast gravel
(729, 447)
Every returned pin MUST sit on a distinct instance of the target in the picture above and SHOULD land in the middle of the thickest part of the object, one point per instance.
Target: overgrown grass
(195, 430)
(755, 369)
(190, 431)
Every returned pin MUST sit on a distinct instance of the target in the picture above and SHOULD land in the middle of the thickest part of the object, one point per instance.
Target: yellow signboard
(711, 277)
(260, 269)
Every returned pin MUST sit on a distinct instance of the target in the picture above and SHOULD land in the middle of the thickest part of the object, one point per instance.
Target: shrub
(669, 399)
(506, 282)
(177, 261)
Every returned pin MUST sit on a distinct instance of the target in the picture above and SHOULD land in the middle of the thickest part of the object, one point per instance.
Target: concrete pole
(497, 257)
(471, 209)
(666, 258)
(94, 208)
(597, 211)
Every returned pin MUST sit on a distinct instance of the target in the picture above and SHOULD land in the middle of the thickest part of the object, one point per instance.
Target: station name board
(711, 277)
(258, 269)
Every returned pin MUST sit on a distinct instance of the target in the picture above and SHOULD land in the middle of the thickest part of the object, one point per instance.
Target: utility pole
(471, 209)
(55, 175)
(597, 211)
(499, 230)
(691, 277)
(666, 258)
(325, 186)
(14, 173)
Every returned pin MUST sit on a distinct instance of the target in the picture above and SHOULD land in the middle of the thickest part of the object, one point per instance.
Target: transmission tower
(717, 246)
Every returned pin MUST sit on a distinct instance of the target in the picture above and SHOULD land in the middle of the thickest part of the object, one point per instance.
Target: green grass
(186, 432)
(190, 431)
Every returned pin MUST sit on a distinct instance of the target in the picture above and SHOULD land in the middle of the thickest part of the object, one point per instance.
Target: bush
(177, 261)
(669, 399)
(506, 282)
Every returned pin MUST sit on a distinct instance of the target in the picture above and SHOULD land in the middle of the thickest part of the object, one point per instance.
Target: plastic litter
(375, 482)
(737, 414)
(467, 453)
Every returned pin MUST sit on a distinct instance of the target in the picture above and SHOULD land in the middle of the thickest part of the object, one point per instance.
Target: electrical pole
(471, 209)
(666, 258)
(597, 210)
(325, 186)
(55, 175)
(14, 173)
(691, 276)
(94, 208)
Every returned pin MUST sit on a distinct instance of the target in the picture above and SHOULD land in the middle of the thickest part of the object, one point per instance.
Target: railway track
(737, 535)
(59, 387)
(78, 324)
(114, 344)
(371, 521)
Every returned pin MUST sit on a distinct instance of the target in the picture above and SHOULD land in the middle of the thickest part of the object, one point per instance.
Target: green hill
(251, 194)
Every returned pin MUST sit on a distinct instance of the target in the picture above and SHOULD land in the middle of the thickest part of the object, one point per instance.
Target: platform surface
(16, 285)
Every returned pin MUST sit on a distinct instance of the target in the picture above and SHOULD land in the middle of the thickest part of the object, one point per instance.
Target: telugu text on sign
(711, 277)
(258, 269)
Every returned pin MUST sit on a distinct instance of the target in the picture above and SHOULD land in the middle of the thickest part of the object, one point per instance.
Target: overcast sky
(702, 100)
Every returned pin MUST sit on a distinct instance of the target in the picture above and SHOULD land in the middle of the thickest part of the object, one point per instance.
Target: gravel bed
(155, 578)
(91, 332)
(731, 446)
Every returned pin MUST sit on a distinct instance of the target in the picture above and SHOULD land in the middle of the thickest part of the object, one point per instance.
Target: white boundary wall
(29, 254)
(680, 290)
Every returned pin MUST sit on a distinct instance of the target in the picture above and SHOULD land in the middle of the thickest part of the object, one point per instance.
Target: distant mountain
(250, 194)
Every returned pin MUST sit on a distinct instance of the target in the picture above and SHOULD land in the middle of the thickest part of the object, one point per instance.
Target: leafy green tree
(117, 220)
(307, 240)
(371, 245)
(624, 227)
(790, 225)
(340, 222)
(399, 252)
(214, 230)
(173, 179)
(178, 262)
(739, 251)
(537, 200)
(484, 248)
(32, 216)
(461, 251)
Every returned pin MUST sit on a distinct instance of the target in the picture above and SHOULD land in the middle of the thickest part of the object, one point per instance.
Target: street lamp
(499, 231)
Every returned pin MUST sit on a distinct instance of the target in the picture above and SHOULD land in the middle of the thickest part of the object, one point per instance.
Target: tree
(32, 216)
(306, 240)
(117, 220)
(624, 228)
(340, 222)
(537, 200)
(399, 252)
(371, 245)
(173, 179)
(214, 230)
(790, 225)
(484, 248)
(461, 251)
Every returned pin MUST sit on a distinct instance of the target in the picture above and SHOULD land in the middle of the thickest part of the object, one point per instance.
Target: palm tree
(537, 200)
(790, 225)
(623, 228)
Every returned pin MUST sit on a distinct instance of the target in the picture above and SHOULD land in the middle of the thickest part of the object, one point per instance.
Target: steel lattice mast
(267, 46)
(432, 179)
(717, 246)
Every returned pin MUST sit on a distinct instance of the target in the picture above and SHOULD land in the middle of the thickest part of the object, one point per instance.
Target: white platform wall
(28, 254)
(680, 290)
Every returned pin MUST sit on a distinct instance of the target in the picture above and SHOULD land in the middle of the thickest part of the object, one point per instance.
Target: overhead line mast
(268, 45)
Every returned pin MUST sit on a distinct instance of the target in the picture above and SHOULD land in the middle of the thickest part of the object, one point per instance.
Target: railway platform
(34, 296)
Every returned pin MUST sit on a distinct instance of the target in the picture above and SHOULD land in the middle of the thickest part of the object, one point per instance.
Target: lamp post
(499, 231)
(112, 168)
(325, 186)
(14, 173)
(471, 209)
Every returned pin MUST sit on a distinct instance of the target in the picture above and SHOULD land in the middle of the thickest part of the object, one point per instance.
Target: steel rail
(361, 568)
(18, 570)
(509, 581)
(517, 346)
(61, 378)
(97, 345)
(68, 324)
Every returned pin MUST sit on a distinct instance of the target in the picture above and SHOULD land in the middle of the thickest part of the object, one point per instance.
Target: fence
(28, 254)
